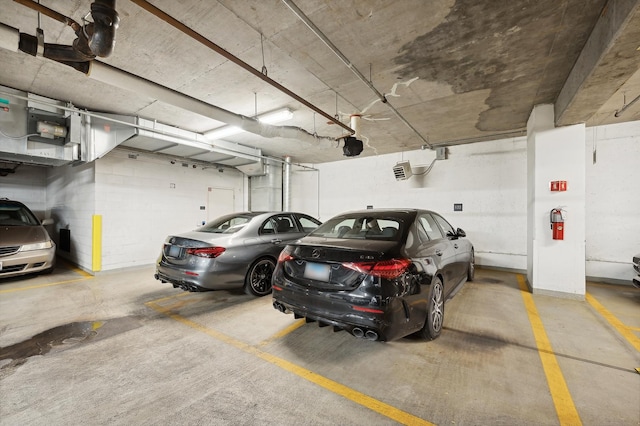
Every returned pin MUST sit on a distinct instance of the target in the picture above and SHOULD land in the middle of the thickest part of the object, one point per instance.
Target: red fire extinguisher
(557, 223)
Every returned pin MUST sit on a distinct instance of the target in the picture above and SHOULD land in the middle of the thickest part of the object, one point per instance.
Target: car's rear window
(360, 227)
(16, 215)
(226, 224)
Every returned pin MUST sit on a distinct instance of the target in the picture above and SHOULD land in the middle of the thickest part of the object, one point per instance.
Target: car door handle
(276, 241)
(439, 252)
(455, 246)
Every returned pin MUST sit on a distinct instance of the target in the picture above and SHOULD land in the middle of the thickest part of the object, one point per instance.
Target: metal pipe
(286, 184)
(50, 13)
(304, 18)
(103, 29)
(211, 45)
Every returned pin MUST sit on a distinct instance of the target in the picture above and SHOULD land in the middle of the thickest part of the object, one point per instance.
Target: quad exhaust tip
(367, 334)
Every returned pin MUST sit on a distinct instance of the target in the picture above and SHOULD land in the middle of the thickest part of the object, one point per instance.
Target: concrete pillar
(555, 267)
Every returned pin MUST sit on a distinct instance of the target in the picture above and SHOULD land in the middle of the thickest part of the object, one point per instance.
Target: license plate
(317, 271)
(174, 251)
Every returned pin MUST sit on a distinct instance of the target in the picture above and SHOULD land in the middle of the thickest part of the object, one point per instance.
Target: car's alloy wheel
(258, 281)
(472, 267)
(435, 311)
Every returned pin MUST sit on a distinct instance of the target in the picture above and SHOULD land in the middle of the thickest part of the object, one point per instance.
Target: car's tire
(435, 311)
(471, 271)
(258, 279)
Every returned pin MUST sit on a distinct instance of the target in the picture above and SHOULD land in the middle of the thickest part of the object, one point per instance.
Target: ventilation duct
(41, 131)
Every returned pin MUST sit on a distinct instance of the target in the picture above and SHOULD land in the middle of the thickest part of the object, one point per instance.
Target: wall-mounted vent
(402, 170)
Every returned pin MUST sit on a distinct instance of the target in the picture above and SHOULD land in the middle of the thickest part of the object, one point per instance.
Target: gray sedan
(238, 250)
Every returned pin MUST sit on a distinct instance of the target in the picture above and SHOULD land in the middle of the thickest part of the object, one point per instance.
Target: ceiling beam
(609, 58)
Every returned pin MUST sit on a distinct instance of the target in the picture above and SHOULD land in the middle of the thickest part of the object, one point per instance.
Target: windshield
(226, 224)
(360, 227)
(16, 215)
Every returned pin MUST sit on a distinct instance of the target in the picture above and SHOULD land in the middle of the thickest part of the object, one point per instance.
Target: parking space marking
(562, 400)
(13, 290)
(625, 331)
(75, 269)
(296, 325)
(335, 387)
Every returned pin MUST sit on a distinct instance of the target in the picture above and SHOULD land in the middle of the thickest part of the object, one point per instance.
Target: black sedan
(378, 274)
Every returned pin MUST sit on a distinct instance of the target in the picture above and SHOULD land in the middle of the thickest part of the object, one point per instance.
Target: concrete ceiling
(456, 71)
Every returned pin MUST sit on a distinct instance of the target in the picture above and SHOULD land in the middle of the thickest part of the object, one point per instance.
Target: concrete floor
(122, 348)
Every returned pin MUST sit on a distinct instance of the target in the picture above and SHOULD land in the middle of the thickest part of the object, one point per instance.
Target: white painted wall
(71, 203)
(145, 199)
(612, 200)
(490, 179)
(27, 185)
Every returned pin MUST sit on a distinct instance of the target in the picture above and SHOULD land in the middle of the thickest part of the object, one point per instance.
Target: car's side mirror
(460, 233)
(48, 221)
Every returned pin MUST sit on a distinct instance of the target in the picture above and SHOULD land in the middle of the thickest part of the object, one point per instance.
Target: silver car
(239, 250)
(25, 245)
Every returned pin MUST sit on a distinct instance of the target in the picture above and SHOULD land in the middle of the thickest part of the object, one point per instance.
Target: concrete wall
(612, 200)
(27, 184)
(142, 200)
(71, 203)
(488, 179)
(556, 266)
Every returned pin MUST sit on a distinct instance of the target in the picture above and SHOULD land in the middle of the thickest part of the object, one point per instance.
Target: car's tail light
(285, 255)
(387, 269)
(208, 252)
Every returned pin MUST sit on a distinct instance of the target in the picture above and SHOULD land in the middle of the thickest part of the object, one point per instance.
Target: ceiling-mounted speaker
(402, 170)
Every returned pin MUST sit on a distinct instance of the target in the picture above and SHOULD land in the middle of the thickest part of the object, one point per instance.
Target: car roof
(384, 211)
(8, 202)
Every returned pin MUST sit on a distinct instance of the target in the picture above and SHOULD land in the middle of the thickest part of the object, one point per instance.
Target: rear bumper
(199, 280)
(336, 312)
(178, 283)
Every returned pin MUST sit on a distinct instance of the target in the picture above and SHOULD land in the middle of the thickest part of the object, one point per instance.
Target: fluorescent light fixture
(223, 132)
(268, 118)
(276, 116)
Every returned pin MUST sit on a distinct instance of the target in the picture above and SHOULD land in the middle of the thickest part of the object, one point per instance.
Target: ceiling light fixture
(273, 117)
(276, 116)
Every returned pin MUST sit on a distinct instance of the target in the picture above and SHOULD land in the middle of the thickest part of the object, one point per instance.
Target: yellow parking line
(13, 290)
(615, 322)
(565, 408)
(335, 387)
(296, 325)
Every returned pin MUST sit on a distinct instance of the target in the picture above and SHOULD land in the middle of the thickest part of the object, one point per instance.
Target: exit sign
(457, 207)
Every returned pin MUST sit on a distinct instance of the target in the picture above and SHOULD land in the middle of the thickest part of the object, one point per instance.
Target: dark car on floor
(238, 250)
(378, 274)
(25, 245)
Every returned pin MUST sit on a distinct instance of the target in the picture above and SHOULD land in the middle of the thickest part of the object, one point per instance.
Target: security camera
(352, 146)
